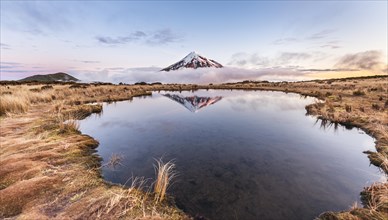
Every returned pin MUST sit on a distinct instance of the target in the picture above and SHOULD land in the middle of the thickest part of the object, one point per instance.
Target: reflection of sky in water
(254, 155)
(252, 102)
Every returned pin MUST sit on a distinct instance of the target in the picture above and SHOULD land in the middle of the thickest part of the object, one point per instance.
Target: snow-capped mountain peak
(193, 103)
(193, 60)
(190, 56)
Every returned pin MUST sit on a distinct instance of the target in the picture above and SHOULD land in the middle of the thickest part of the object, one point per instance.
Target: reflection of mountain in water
(193, 103)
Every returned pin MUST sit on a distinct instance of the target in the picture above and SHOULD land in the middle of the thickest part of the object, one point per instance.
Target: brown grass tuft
(67, 126)
(375, 197)
(114, 160)
(10, 104)
(165, 173)
(358, 93)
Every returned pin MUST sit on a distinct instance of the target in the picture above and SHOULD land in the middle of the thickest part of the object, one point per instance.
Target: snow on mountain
(193, 60)
(193, 103)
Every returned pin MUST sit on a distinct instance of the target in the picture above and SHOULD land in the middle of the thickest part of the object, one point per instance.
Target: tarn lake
(238, 154)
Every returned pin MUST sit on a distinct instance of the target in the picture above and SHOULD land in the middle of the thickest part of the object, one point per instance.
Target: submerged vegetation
(114, 161)
(49, 169)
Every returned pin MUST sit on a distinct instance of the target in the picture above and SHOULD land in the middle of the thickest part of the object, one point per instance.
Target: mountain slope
(63, 77)
(193, 60)
(193, 103)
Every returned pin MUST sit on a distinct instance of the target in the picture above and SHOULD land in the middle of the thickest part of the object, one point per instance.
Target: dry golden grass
(48, 169)
(70, 126)
(165, 173)
(11, 104)
(376, 197)
(354, 206)
(17, 98)
(67, 124)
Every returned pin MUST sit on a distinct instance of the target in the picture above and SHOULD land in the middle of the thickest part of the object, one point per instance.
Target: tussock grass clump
(34, 90)
(135, 203)
(132, 195)
(10, 104)
(46, 87)
(358, 93)
(375, 106)
(86, 110)
(70, 126)
(375, 197)
(34, 98)
(67, 126)
(165, 172)
(114, 160)
(379, 159)
(375, 205)
(77, 86)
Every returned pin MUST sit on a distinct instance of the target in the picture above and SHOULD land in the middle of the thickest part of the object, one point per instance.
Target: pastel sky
(131, 40)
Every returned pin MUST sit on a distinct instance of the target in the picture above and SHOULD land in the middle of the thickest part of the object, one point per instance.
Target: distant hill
(55, 77)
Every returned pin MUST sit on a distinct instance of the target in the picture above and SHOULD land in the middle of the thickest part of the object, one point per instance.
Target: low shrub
(358, 93)
(375, 106)
(47, 87)
(35, 90)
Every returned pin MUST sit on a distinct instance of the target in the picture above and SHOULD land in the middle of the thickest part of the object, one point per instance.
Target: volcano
(193, 103)
(194, 61)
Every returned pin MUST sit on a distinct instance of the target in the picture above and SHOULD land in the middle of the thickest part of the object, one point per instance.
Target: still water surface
(239, 154)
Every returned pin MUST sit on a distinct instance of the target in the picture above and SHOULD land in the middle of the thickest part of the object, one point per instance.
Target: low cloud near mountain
(201, 76)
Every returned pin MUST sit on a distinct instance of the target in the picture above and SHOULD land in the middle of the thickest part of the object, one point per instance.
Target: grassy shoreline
(49, 169)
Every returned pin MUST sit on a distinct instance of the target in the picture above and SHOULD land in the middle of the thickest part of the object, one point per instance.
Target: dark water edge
(249, 155)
